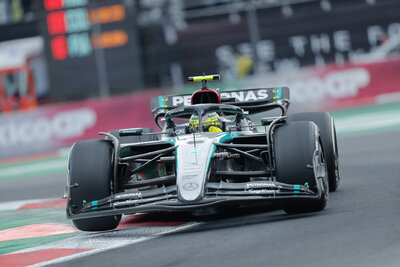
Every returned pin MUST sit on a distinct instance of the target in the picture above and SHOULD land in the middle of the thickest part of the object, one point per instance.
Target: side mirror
(170, 123)
(131, 132)
(239, 117)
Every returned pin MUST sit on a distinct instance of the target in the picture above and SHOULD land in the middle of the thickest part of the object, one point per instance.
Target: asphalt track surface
(360, 226)
(44, 186)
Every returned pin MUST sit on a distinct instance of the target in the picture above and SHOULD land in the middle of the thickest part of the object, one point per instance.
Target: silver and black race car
(289, 159)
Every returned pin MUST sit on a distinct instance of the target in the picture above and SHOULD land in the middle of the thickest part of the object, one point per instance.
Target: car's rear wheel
(90, 167)
(299, 160)
(327, 129)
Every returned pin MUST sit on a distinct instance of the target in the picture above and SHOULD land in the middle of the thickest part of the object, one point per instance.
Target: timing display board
(90, 48)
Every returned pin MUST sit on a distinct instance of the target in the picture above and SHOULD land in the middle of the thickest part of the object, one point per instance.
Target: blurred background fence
(71, 68)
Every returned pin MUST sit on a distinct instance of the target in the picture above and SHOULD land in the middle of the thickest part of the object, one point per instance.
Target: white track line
(112, 244)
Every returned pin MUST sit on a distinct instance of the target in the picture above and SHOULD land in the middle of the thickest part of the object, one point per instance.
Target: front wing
(217, 194)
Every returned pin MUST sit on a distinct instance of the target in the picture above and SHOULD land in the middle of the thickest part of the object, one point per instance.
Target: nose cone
(193, 158)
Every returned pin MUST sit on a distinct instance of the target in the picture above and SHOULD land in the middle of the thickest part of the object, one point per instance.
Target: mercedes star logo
(190, 186)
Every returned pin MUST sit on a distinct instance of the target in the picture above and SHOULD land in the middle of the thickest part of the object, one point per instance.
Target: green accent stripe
(279, 93)
(94, 203)
(160, 101)
(209, 160)
(224, 137)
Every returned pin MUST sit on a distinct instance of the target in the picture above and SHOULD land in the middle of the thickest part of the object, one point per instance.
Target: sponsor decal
(225, 155)
(241, 96)
(54, 126)
(189, 176)
(194, 152)
(190, 186)
(125, 203)
(258, 185)
(244, 96)
(335, 85)
(63, 125)
(191, 169)
(135, 195)
(181, 100)
(263, 191)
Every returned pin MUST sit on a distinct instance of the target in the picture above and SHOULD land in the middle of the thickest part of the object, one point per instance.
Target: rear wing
(251, 100)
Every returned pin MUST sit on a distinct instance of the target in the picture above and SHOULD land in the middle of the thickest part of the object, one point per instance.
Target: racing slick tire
(91, 169)
(327, 130)
(298, 157)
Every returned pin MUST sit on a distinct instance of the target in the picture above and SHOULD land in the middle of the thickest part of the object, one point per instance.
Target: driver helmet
(211, 122)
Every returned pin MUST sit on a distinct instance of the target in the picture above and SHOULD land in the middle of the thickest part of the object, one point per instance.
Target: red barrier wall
(350, 85)
(55, 126)
(59, 125)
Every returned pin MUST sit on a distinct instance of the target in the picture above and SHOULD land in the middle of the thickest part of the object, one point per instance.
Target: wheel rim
(321, 170)
(337, 178)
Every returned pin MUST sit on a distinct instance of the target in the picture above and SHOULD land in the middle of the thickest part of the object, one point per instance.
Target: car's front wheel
(327, 129)
(299, 160)
(90, 173)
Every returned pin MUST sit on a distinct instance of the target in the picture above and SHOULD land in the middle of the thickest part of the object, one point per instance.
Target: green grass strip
(368, 109)
(29, 169)
(18, 244)
(17, 218)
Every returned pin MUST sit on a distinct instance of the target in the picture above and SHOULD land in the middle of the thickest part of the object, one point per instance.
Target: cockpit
(214, 118)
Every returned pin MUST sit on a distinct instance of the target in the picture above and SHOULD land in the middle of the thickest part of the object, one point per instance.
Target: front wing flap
(217, 194)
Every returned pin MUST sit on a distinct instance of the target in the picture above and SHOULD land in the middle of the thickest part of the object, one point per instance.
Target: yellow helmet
(210, 122)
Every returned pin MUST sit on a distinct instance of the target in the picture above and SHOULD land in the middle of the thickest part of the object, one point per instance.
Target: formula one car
(187, 166)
